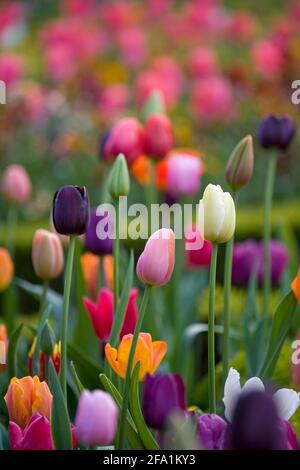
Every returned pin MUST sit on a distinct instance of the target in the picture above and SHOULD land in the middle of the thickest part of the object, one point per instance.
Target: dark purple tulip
(92, 242)
(163, 394)
(70, 212)
(276, 131)
(250, 254)
(255, 424)
(211, 431)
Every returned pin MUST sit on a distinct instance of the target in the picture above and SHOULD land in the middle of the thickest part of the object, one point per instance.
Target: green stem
(12, 218)
(121, 441)
(271, 172)
(211, 330)
(227, 293)
(116, 260)
(65, 315)
(42, 320)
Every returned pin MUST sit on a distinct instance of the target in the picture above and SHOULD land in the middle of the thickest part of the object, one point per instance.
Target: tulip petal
(232, 390)
(15, 436)
(253, 384)
(214, 212)
(111, 356)
(159, 352)
(287, 401)
(229, 219)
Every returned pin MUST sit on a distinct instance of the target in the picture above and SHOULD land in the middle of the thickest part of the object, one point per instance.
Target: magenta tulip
(156, 264)
(158, 136)
(126, 137)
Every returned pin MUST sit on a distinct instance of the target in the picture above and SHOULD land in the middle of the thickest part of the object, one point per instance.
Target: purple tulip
(70, 210)
(249, 255)
(92, 242)
(276, 131)
(290, 441)
(96, 418)
(163, 394)
(211, 431)
(256, 424)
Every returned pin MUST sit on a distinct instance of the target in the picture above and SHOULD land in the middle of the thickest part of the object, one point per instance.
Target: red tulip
(126, 137)
(158, 136)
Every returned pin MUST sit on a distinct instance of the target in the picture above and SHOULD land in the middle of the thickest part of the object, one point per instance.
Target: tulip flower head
(16, 185)
(70, 212)
(26, 396)
(217, 211)
(198, 256)
(240, 164)
(55, 357)
(6, 269)
(295, 286)
(148, 353)
(184, 171)
(211, 431)
(3, 345)
(156, 264)
(163, 395)
(276, 131)
(96, 418)
(158, 136)
(126, 137)
(47, 255)
(92, 242)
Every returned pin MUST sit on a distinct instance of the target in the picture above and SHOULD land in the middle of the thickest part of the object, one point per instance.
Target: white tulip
(217, 211)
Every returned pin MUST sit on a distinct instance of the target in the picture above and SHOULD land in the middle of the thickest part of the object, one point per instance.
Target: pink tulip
(96, 418)
(11, 68)
(78, 7)
(47, 255)
(113, 100)
(35, 436)
(203, 62)
(184, 172)
(268, 58)
(132, 44)
(102, 313)
(158, 136)
(126, 137)
(156, 264)
(212, 100)
(198, 251)
(60, 62)
(16, 185)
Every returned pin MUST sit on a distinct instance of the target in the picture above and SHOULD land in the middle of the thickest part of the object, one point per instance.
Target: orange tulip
(6, 269)
(3, 346)
(149, 354)
(90, 265)
(295, 286)
(27, 396)
(140, 169)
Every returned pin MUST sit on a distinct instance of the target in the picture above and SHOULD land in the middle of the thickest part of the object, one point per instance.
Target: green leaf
(282, 321)
(87, 370)
(135, 407)
(121, 309)
(131, 430)
(60, 421)
(154, 104)
(12, 352)
(79, 386)
(4, 438)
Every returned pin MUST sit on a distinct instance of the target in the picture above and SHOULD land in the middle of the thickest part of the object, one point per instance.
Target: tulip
(218, 212)
(16, 185)
(11, 67)
(158, 135)
(203, 62)
(276, 131)
(239, 168)
(163, 395)
(92, 242)
(101, 313)
(96, 418)
(184, 171)
(70, 211)
(211, 431)
(35, 436)
(26, 396)
(126, 137)
(3, 346)
(55, 357)
(47, 255)
(295, 286)
(90, 265)
(119, 181)
(268, 58)
(200, 255)
(156, 264)
(149, 354)
(6, 269)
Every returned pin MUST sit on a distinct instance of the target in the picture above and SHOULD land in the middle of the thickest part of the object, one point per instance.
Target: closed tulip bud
(96, 418)
(239, 168)
(119, 181)
(6, 269)
(276, 131)
(164, 394)
(158, 136)
(70, 211)
(126, 137)
(156, 264)
(93, 243)
(47, 339)
(26, 396)
(16, 185)
(211, 431)
(47, 255)
(217, 211)
(295, 286)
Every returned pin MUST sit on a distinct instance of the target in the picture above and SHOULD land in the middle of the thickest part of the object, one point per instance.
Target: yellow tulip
(148, 353)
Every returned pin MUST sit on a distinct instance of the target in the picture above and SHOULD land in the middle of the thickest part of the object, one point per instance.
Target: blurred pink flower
(212, 100)
(11, 68)
(158, 8)
(78, 7)
(268, 58)
(15, 184)
(184, 172)
(202, 62)
(113, 101)
(116, 15)
(198, 251)
(11, 13)
(132, 44)
(241, 26)
(60, 62)
(35, 103)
